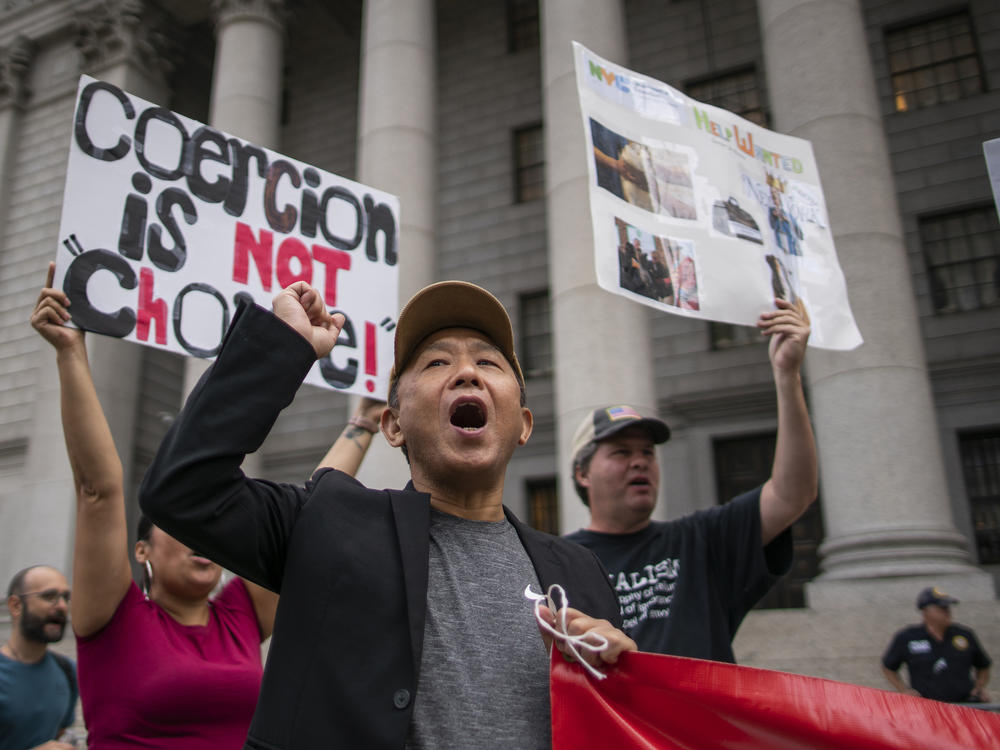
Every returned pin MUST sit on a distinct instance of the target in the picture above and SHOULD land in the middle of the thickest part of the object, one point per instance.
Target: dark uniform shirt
(938, 669)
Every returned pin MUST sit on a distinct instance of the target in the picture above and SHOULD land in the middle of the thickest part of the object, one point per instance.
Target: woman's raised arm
(101, 574)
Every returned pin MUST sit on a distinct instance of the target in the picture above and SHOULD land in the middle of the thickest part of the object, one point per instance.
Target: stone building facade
(467, 112)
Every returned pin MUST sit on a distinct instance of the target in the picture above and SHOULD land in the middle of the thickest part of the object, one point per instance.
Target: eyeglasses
(49, 596)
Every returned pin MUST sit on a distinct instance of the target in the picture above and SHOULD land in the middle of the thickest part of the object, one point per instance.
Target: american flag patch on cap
(622, 412)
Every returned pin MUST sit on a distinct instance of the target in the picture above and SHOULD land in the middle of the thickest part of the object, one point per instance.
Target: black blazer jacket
(349, 562)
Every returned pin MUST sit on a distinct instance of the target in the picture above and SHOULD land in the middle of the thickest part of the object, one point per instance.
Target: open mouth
(468, 415)
(639, 482)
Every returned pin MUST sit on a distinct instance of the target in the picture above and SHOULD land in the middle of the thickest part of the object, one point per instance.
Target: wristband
(366, 424)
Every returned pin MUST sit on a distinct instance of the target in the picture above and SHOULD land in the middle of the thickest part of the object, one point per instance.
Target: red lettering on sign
(333, 260)
(291, 248)
(371, 364)
(150, 310)
(247, 246)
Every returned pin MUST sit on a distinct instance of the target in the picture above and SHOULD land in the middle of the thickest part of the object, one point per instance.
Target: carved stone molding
(266, 11)
(15, 60)
(9, 6)
(117, 31)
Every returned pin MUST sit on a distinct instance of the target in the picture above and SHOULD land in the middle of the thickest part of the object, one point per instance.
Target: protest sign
(699, 212)
(991, 151)
(167, 223)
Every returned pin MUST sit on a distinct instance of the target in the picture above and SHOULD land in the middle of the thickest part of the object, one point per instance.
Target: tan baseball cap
(452, 304)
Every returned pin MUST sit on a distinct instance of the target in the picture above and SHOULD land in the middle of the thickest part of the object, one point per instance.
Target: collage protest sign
(701, 213)
(168, 223)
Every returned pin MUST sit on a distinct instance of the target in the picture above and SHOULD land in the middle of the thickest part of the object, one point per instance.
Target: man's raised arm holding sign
(402, 615)
(794, 480)
(686, 584)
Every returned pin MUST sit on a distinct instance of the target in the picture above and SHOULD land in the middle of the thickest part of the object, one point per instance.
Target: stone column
(126, 43)
(15, 61)
(889, 528)
(246, 82)
(397, 153)
(33, 517)
(246, 98)
(601, 344)
(119, 42)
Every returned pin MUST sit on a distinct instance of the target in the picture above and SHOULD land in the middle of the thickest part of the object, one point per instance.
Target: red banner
(664, 702)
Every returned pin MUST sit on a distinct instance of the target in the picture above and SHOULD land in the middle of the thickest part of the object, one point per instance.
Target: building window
(536, 333)
(529, 164)
(932, 62)
(522, 25)
(12, 456)
(962, 253)
(980, 453)
(744, 463)
(543, 504)
(738, 91)
(730, 336)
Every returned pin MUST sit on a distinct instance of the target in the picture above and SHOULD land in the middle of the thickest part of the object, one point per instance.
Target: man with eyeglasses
(37, 686)
(939, 655)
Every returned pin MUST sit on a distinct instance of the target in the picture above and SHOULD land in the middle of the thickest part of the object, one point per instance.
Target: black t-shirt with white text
(685, 586)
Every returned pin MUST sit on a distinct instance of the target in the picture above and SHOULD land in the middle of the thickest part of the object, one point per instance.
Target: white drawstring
(593, 642)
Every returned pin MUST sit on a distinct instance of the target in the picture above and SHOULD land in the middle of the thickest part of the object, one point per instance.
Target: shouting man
(402, 620)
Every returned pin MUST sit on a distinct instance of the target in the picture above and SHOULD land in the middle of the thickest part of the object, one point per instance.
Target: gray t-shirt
(484, 671)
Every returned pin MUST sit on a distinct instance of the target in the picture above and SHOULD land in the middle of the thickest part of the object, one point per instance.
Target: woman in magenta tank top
(170, 666)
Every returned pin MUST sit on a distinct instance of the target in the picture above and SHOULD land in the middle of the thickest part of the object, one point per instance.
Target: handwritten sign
(168, 223)
(701, 213)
